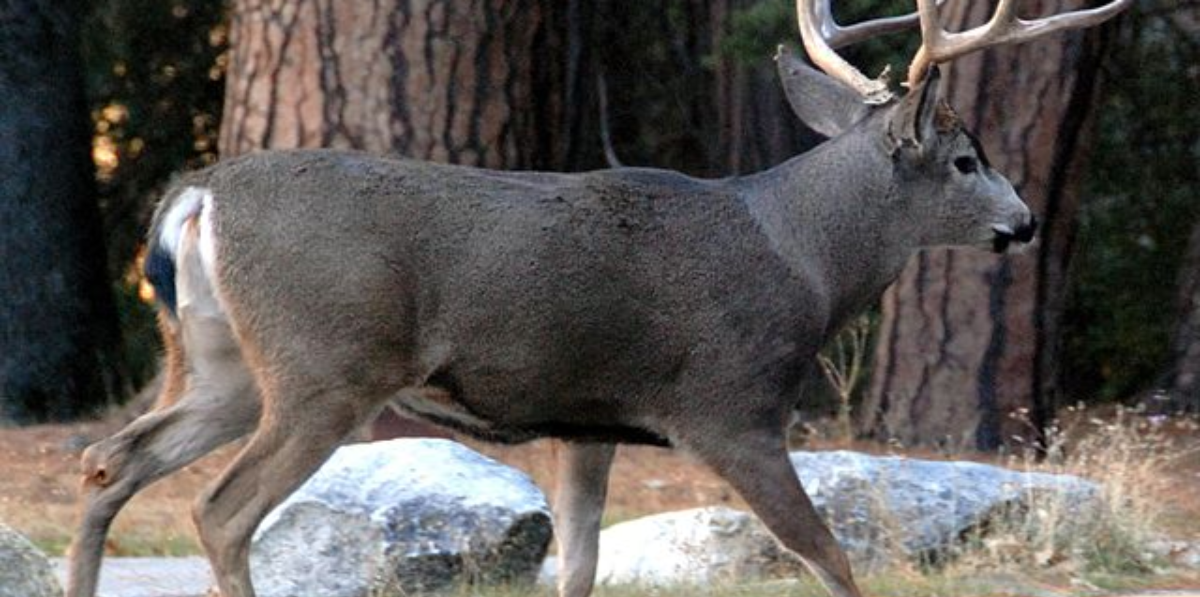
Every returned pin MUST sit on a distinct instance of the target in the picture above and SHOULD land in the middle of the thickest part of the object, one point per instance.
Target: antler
(821, 34)
(939, 45)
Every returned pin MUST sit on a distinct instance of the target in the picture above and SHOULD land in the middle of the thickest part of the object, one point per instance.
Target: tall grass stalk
(842, 364)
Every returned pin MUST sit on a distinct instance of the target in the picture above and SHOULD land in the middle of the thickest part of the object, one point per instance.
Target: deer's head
(940, 166)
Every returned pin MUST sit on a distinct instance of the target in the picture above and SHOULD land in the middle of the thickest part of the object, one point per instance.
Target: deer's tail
(183, 221)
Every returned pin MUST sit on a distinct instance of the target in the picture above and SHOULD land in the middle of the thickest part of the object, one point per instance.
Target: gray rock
(1183, 554)
(402, 517)
(24, 569)
(692, 547)
(882, 508)
(548, 574)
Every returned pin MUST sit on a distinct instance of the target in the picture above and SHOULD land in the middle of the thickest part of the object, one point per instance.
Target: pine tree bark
(969, 343)
(60, 346)
(427, 79)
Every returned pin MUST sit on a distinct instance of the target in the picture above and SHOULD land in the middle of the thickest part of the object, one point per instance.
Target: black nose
(1025, 233)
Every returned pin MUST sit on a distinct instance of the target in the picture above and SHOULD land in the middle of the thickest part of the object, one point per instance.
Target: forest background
(106, 101)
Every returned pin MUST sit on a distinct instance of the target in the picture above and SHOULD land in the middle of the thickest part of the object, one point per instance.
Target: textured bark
(429, 79)
(969, 342)
(1183, 377)
(60, 345)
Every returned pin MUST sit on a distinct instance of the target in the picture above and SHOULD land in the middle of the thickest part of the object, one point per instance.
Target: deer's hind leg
(214, 405)
(582, 486)
(303, 422)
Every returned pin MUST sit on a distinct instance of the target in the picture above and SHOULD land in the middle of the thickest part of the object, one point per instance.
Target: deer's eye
(966, 165)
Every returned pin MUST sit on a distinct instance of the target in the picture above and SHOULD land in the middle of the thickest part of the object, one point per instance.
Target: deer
(300, 292)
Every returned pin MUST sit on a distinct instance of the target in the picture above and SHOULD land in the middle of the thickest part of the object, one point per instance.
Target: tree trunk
(475, 84)
(969, 342)
(1183, 378)
(1173, 151)
(60, 347)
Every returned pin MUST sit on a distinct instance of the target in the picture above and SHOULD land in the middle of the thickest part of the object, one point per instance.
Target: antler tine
(820, 33)
(840, 36)
(939, 45)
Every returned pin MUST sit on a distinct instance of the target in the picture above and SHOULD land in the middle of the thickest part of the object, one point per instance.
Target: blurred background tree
(1131, 320)
(691, 86)
(155, 82)
(60, 354)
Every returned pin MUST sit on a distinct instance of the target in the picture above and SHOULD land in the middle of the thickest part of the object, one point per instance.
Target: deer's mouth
(1004, 236)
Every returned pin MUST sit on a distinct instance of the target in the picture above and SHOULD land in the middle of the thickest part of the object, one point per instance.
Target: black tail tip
(159, 269)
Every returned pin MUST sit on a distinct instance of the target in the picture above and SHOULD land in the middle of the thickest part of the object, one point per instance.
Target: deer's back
(543, 303)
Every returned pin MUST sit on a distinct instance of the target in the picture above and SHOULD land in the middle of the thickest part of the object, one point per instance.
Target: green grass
(54, 544)
(123, 545)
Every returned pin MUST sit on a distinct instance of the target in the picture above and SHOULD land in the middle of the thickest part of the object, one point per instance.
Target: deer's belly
(438, 406)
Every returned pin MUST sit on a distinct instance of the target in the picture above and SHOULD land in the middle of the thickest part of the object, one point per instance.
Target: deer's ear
(914, 121)
(826, 106)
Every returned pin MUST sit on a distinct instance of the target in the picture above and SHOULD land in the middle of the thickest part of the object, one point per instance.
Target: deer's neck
(831, 215)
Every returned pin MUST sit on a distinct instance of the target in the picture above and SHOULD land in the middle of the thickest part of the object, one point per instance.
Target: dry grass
(1135, 461)
(39, 494)
(891, 584)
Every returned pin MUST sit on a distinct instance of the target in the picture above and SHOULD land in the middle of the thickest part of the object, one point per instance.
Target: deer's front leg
(581, 488)
(753, 458)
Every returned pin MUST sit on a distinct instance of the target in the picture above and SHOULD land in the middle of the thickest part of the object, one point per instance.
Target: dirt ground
(39, 485)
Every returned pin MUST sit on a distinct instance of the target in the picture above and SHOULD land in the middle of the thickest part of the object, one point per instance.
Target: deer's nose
(1026, 231)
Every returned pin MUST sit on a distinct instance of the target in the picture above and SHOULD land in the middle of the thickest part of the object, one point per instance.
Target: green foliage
(1139, 211)
(652, 58)
(757, 30)
(155, 78)
(138, 331)
(155, 84)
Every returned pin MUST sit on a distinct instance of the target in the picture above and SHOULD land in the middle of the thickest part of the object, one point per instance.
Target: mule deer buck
(302, 291)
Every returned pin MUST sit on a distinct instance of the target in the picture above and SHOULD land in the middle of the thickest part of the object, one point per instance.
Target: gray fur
(825, 105)
(626, 305)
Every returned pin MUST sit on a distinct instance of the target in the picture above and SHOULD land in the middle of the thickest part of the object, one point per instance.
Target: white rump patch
(188, 233)
(188, 203)
(208, 238)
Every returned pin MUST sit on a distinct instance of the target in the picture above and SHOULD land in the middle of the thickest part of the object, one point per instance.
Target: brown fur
(946, 120)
